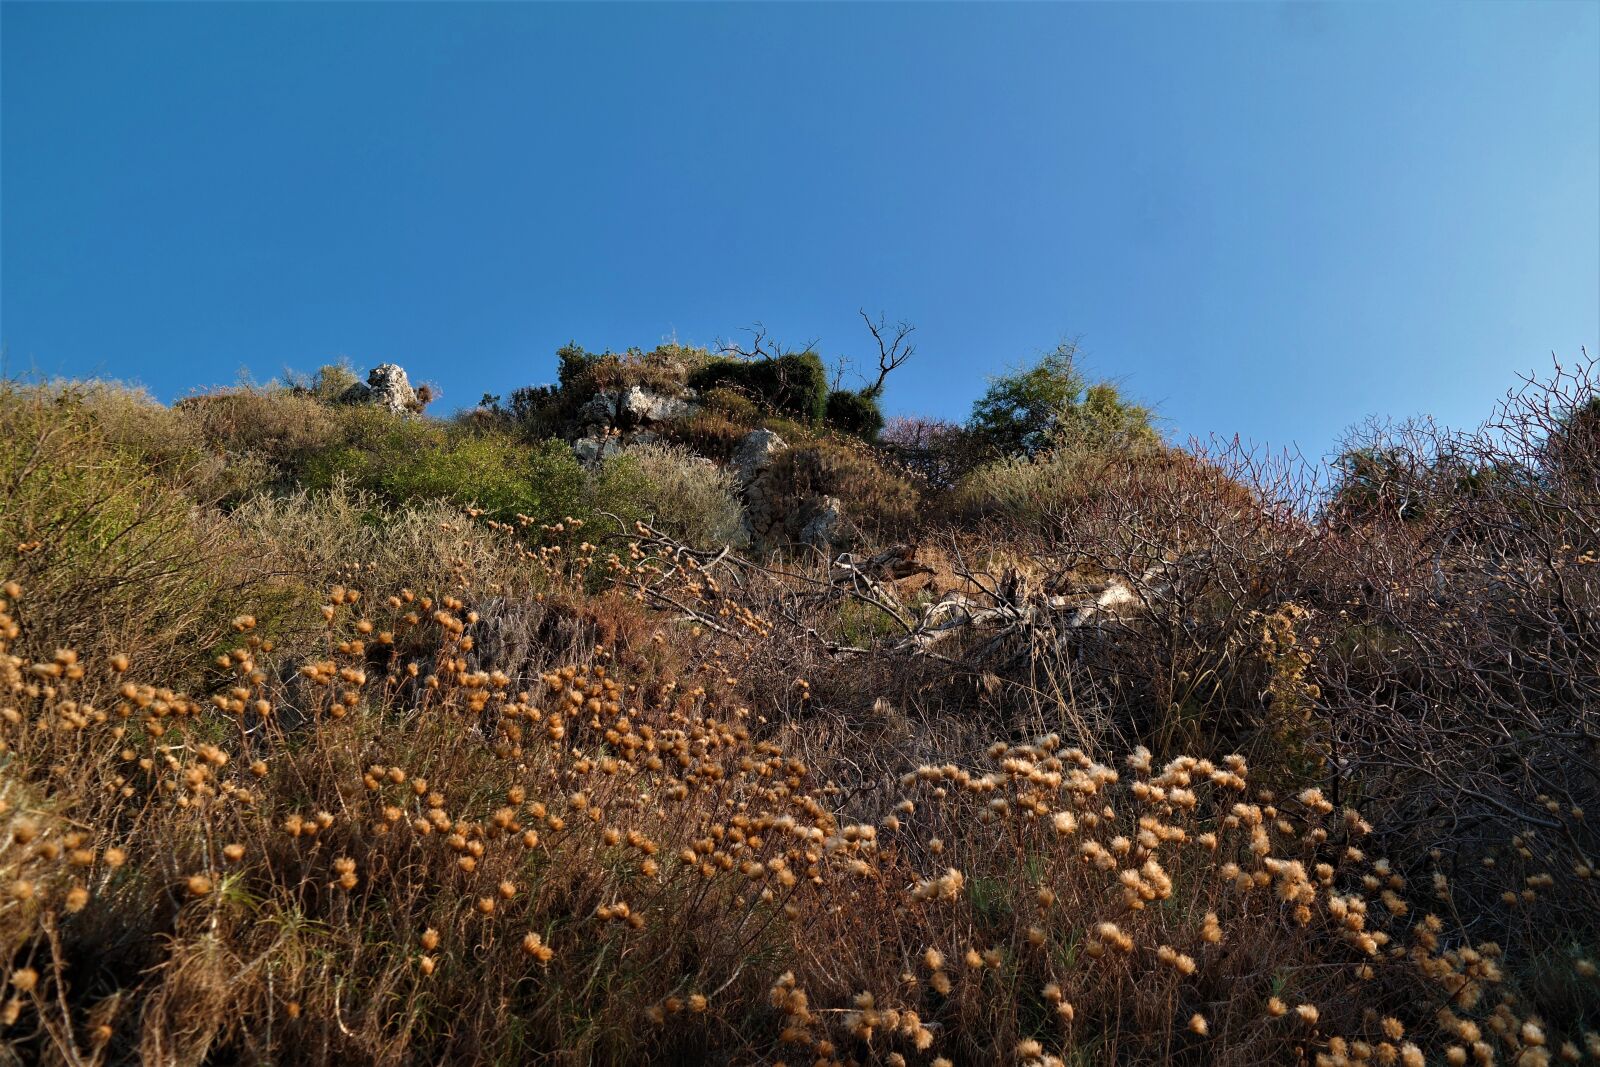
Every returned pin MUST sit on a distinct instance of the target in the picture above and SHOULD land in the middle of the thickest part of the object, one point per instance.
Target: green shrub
(490, 471)
(1035, 409)
(855, 413)
(795, 385)
(368, 443)
(333, 381)
(664, 369)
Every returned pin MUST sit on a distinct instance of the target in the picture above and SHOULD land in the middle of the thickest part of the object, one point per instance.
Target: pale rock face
(391, 388)
(751, 460)
(633, 406)
(645, 406)
(755, 454)
(387, 387)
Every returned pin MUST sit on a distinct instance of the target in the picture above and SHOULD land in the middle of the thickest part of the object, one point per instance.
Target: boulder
(755, 454)
(391, 388)
(387, 387)
(591, 451)
(642, 405)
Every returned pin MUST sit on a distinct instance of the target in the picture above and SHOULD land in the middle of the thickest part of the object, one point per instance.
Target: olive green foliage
(498, 474)
(1037, 408)
(493, 471)
(794, 385)
(732, 404)
(163, 440)
(855, 412)
(280, 427)
(533, 412)
(332, 382)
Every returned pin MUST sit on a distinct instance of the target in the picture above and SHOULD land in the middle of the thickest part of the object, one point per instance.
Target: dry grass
(400, 854)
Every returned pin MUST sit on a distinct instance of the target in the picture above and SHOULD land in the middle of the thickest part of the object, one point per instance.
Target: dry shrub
(689, 496)
(1459, 673)
(875, 499)
(938, 452)
(480, 803)
(732, 404)
(281, 426)
(1051, 493)
(441, 865)
(121, 558)
(708, 433)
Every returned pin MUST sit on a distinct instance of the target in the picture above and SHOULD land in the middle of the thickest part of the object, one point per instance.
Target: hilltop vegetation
(689, 711)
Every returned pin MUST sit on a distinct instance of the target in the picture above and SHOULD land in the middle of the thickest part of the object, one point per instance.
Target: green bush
(664, 369)
(1035, 409)
(855, 413)
(332, 382)
(367, 443)
(490, 471)
(795, 385)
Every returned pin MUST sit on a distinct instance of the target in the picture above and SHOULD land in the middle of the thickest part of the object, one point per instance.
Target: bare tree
(894, 347)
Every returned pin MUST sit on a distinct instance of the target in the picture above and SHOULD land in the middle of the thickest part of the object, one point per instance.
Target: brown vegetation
(1128, 755)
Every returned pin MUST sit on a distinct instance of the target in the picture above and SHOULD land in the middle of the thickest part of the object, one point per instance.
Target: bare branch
(894, 347)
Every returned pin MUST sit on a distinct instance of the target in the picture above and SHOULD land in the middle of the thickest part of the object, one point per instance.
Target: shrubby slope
(336, 734)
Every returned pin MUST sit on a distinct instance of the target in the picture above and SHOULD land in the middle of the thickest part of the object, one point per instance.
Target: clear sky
(1266, 220)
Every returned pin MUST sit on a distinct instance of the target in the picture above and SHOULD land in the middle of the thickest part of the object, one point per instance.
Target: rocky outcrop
(615, 418)
(775, 516)
(754, 456)
(635, 406)
(387, 387)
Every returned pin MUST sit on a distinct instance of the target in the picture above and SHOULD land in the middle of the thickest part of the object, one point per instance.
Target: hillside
(688, 711)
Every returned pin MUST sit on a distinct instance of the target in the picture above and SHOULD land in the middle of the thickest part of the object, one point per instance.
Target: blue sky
(1266, 220)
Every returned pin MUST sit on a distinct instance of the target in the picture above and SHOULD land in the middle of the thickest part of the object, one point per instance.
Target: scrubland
(329, 735)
